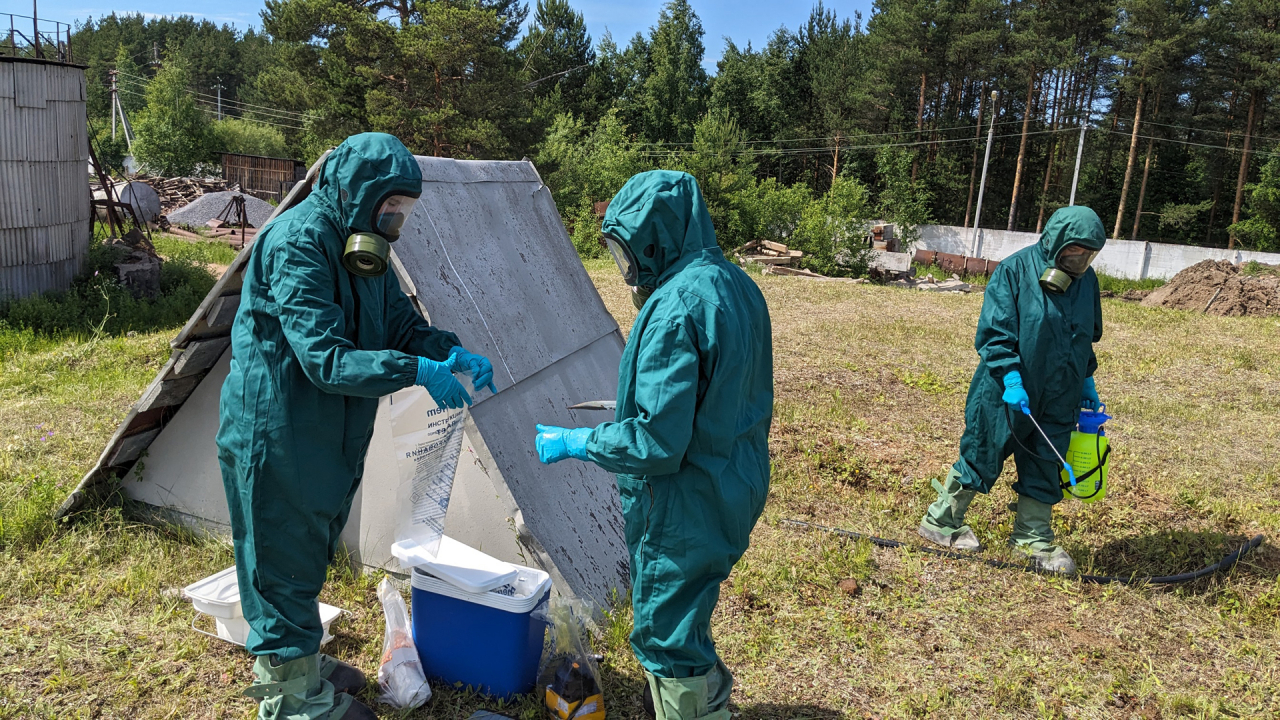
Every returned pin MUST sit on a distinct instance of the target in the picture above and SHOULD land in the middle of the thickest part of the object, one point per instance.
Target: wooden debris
(766, 252)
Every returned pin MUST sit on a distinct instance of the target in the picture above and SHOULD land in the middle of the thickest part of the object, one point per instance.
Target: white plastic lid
(458, 564)
(519, 596)
(217, 595)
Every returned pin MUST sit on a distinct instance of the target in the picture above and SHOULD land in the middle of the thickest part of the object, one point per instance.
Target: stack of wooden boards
(768, 253)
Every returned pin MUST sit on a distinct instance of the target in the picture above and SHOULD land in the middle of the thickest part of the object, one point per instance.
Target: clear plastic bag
(570, 676)
(400, 676)
(427, 440)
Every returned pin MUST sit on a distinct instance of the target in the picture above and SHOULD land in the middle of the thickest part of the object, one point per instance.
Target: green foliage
(110, 152)
(559, 64)
(247, 137)
(903, 201)
(173, 135)
(769, 210)
(832, 231)
(585, 233)
(674, 84)
(436, 75)
(210, 252)
(1119, 285)
(584, 165)
(722, 172)
(98, 303)
(1261, 230)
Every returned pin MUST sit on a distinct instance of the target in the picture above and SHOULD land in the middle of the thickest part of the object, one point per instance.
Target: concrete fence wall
(1121, 258)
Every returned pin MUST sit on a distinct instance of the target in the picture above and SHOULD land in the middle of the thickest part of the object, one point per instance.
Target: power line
(257, 108)
(841, 146)
(1228, 148)
(205, 105)
(206, 98)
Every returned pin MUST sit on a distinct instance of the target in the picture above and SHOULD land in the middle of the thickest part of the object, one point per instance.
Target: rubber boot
(294, 690)
(943, 523)
(345, 678)
(704, 697)
(1033, 535)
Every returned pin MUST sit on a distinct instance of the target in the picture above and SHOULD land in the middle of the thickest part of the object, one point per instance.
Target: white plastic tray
(219, 597)
(458, 564)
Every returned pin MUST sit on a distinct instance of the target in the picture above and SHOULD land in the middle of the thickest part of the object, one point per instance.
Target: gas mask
(1067, 267)
(630, 269)
(367, 253)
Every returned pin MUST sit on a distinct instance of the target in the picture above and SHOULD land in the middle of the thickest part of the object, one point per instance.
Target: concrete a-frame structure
(485, 255)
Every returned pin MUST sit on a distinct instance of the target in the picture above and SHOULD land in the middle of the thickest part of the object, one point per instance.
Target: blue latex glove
(1089, 396)
(556, 443)
(477, 366)
(1014, 394)
(437, 377)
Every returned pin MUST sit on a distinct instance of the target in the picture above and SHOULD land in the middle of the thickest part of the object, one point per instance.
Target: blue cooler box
(489, 640)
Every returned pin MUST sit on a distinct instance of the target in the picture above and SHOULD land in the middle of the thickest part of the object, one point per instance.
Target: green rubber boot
(943, 523)
(1033, 535)
(705, 697)
(295, 691)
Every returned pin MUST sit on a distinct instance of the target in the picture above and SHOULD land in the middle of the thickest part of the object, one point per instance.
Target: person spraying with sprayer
(1041, 315)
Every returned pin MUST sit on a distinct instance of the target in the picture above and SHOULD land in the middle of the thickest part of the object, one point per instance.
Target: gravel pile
(207, 207)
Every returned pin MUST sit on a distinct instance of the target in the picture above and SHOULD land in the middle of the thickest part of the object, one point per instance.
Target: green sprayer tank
(1088, 455)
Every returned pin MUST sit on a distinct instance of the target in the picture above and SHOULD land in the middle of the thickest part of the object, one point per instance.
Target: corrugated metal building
(264, 177)
(44, 180)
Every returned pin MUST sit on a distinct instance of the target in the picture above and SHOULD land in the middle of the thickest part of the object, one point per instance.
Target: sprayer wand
(1026, 410)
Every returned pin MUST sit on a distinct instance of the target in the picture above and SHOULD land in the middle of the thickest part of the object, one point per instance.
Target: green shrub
(247, 137)
(97, 302)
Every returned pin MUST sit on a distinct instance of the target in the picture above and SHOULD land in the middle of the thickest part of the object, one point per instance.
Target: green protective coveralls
(313, 348)
(1048, 338)
(690, 441)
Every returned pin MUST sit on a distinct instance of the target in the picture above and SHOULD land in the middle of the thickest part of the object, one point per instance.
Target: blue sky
(741, 20)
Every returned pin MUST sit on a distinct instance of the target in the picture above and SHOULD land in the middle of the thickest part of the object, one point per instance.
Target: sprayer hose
(1222, 565)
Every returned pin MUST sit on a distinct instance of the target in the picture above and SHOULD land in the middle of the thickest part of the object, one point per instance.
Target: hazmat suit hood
(661, 217)
(1075, 225)
(362, 172)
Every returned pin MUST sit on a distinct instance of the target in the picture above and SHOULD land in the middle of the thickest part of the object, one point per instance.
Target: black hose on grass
(1222, 565)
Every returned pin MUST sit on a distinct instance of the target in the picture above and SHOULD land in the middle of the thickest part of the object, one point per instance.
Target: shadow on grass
(777, 711)
(1175, 552)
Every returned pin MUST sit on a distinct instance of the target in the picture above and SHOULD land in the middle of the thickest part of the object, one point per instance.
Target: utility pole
(155, 54)
(35, 25)
(986, 159)
(219, 89)
(1075, 178)
(115, 102)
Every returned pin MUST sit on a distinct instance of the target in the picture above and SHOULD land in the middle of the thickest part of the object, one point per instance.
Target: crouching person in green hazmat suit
(320, 335)
(1041, 315)
(690, 440)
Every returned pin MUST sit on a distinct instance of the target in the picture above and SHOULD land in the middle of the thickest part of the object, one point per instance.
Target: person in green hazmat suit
(690, 440)
(321, 333)
(1041, 315)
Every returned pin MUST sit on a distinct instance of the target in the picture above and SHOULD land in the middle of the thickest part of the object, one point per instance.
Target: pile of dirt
(1217, 287)
(209, 206)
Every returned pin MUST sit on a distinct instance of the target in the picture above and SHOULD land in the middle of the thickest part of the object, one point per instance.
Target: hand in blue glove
(437, 378)
(556, 443)
(477, 366)
(1089, 396)
(1014, 394)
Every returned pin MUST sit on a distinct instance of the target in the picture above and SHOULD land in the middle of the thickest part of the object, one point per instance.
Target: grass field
(870, 390)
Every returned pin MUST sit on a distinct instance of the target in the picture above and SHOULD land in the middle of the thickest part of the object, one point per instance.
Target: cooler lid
(459, 565)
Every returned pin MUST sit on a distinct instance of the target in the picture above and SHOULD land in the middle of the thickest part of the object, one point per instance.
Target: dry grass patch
(870, 396)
